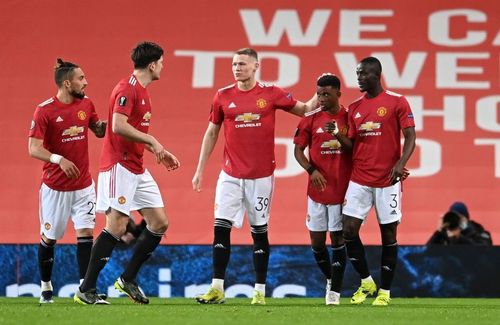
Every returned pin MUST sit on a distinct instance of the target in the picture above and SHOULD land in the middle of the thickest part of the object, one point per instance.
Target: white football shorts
(124, 191)
(323, 217)
(56, 207)
(234, 196)
(359, 200)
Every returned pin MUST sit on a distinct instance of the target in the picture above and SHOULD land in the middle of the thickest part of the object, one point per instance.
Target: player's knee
(161, 226)
(318, 247)
(337, 240)
(349, 233)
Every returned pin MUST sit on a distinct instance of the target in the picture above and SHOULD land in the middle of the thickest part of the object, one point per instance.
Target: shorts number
(262, 204)
(92, 206)
(394, 203)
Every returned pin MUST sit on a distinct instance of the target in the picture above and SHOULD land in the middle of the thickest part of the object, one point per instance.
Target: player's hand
(406, 173)
(69, 168)
(318, 181)
(170, 161)
(331, 127)
(397, 172)
(157, 150)
(197, 180)
(101, 128)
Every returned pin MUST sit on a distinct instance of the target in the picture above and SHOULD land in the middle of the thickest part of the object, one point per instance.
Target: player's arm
(121, 127)
(207, 146)
(397, 171)
(38, 151)
(99, 128)
(332, 128)
(317, 179)
(170, 160)
(300, 108)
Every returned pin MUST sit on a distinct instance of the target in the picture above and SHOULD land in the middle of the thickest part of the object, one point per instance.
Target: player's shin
(260, 252)
(221, 247)
(388, 264)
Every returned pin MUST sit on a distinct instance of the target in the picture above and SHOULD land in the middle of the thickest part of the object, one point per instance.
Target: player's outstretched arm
(36, 150)
(121, 127)
(207, 146)
(301, 108)
(99, 128)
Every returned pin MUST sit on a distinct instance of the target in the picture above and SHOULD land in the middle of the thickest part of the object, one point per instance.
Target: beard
(79, 95)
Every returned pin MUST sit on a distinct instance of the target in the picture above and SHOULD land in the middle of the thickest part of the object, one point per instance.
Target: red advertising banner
(443, 56)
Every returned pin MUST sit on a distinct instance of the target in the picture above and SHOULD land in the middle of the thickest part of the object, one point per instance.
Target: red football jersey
(249, 119)
(375, 124)
(326, 154)
(64, 131)
(131, 99)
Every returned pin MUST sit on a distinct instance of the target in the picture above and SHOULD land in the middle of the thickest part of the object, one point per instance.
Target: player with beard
(376, 121)
(124, 184)
(59, 137)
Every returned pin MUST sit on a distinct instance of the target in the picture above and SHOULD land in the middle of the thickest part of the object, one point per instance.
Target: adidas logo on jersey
(232, 105)
(357, 115)
(143, 102)
(320, 130)
(59, 119)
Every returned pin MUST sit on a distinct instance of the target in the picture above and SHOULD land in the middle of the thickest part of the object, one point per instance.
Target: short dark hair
(248, 51)
(452, 219)
(145, 53)
(329, 80)
(375, 62)
(63, 71)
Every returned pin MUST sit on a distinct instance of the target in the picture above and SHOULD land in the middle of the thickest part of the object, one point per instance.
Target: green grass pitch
(238, 311)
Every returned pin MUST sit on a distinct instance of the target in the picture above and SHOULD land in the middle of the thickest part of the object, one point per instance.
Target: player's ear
(339, 93)
(257, 65)
(67, 83)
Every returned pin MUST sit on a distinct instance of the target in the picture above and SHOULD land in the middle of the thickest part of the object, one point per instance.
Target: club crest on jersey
(47, 226)
(381, 111)
(81, 115)
(261, 103)
(122, 101)
(122, 200)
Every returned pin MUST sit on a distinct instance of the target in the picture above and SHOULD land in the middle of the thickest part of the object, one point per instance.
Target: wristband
(310, 169)
(55, 159)
(336, 131)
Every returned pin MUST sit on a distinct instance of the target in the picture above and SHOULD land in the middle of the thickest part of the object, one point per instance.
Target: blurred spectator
(469, 228)
(449, 232)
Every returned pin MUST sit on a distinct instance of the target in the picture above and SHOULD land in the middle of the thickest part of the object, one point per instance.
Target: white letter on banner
(496, 147)
(453, 112)
(351, 28)
(16, 290)
(447, 71)
(289, 289)
(164, 289)
(430, 158)
(439, 27)
(292, 167)
(193, 290)
(487, 113)
(347, 62)
(284, 21)
(288, 68)
(204, 66)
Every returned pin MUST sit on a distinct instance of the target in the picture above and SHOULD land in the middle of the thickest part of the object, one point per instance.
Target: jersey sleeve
(38, 124)
(405, 115)
(216, 112)
(302, 135)
(283, 100)
(124, 100)
(93, 114)
(351, 127)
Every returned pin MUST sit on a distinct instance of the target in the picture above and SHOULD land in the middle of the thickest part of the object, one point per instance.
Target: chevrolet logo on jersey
(332, 144)
(369, 126)
(147, 116)
(73, 130)
(247, 117)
